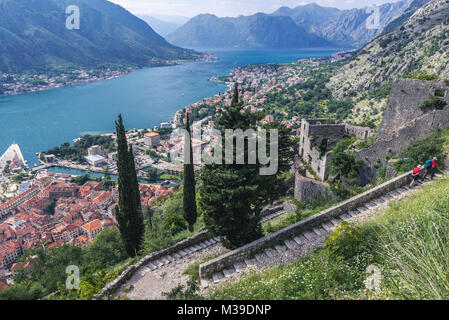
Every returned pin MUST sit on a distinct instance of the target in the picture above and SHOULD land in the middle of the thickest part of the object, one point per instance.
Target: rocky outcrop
(419, 45)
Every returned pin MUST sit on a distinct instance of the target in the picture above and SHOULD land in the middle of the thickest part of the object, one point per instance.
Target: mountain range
(33, 35)
(162, 27)
(164, 24)
(259, 30)
(304, 26)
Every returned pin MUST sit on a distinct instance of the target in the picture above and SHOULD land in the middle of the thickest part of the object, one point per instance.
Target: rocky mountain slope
(33, 34)
(343, 27)
(396, 23)
(419, 46)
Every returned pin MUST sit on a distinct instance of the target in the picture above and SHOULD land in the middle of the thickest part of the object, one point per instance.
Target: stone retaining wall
(249, 250)
(307, 189)
(359, 132)
(111, 287)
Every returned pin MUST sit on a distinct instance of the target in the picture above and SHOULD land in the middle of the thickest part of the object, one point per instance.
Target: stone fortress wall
(404, 122)
(313, 134)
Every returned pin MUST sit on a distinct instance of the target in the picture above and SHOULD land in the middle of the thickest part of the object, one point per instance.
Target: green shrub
(343, 161)
(345, 241)
(190, 293)
(422, 76)
(439, 93)
(433, 102)
(174, 223)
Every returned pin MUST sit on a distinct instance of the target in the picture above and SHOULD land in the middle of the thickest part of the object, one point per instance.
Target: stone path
(303, 243)
(164, 274)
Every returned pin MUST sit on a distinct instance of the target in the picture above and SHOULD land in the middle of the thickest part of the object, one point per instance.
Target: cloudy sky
(232, 8)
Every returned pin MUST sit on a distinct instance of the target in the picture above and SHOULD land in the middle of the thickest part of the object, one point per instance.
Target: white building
(95, 151)
(96, 160)
(112, 156)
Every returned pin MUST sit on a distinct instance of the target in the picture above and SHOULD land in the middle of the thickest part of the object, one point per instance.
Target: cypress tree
(189, 203)
(231, 198)
(129, 210)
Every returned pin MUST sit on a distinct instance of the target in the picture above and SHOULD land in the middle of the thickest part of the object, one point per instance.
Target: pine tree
(230, 195)
(129, 210)
(190, 210)
(275, 186)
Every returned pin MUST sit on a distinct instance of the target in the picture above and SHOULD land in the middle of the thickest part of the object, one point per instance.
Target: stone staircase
(272, 216)
(153, 265)
(302, 241)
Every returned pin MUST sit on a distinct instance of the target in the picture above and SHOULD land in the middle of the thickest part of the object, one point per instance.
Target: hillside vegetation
(408, 242)
(420, 45)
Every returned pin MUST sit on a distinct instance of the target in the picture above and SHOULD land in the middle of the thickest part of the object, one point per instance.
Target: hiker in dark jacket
(430, 167)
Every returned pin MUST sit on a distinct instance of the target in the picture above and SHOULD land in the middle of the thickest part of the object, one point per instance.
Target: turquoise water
(41, 120)
(76, 172)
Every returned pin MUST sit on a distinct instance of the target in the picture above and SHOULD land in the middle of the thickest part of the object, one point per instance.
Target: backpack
(428, 164)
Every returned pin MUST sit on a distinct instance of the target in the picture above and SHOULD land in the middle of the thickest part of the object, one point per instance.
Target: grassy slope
(408, 241)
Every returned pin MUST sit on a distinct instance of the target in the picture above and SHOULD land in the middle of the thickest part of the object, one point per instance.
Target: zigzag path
(167, 273)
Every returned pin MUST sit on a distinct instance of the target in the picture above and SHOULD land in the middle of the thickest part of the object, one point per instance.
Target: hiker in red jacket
(415, 174)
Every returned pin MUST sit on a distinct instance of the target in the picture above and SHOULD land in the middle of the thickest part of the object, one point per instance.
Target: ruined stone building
(319, 136)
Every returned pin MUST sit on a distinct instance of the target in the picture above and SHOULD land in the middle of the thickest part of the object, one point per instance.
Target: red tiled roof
(102, 197)
(93, 225)
(22, 195)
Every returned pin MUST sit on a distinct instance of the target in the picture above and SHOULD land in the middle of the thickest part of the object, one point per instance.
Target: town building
(94, 151)
(112, 156)
(9, 252)
(91, 229)
(96, 160)
(152, 139)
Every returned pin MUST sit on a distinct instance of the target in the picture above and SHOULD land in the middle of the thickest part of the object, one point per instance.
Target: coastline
(83, 78)
(212, 98)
